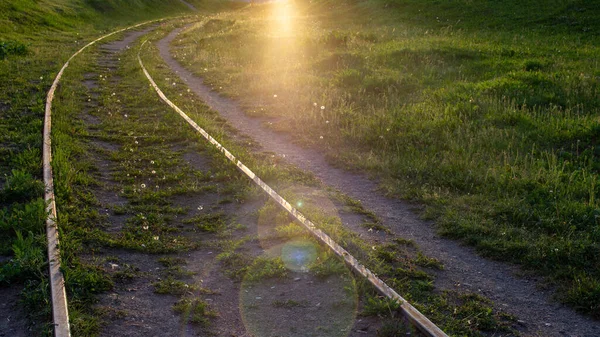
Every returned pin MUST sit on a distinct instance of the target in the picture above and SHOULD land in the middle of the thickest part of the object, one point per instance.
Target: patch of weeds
(21, 186)
(290, 231)
(428, 262)
(152, 234)
(404, 242)
(381, 307)
(374, 226)
(211, 223)
(394, 328)
(195, 311)
(12, 47)
(178, 272)
(328, 266)
(265, 268)
(172, 286)
(28, 261)
(29, 217)
(172, 261)
(126, 272)
(236, 264)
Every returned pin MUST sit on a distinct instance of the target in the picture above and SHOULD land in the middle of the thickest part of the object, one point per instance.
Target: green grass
(488, 119)
(195, 311)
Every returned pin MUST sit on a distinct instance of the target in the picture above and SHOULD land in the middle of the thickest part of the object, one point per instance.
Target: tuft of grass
(172, 286)
(12, 47)
(381, 306)
(265, 268)
(211, 223)
(195, 311)
(21, 186)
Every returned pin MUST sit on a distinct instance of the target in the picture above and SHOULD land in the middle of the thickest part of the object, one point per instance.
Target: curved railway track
(60, 312)
(58, 294)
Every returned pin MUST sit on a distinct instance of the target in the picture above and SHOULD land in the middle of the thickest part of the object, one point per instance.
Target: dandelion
(315, 104)
(143, 185)
(153, 172)
(326, 122)
(322, 107)
(41, 77)
(174, 83)
(113, 94)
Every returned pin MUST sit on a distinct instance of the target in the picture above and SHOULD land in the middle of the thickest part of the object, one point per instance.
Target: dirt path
(13, 319)
(538, 315)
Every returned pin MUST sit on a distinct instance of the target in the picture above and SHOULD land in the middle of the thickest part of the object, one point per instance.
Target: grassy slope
(36, 38)
(486, 111)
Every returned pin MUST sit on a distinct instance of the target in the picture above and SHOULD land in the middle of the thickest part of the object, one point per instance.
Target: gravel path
(538, 315)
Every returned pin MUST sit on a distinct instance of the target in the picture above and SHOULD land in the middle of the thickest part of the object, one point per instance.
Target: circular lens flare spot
(299, 255)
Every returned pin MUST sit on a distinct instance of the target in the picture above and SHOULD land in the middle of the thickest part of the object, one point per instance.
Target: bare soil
(13, 319)
(522, 296)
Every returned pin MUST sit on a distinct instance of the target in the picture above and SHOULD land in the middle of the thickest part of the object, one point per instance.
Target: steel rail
(417, 318)
(60, 312)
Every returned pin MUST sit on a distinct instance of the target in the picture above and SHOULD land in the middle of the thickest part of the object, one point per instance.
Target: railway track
(60, 313)
(59, 300)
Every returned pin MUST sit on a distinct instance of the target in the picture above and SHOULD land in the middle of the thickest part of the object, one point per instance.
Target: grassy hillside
(36, 38)
(486, 111)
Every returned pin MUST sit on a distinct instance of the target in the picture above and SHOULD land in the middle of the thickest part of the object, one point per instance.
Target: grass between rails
(492, 123)
(399, 263)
